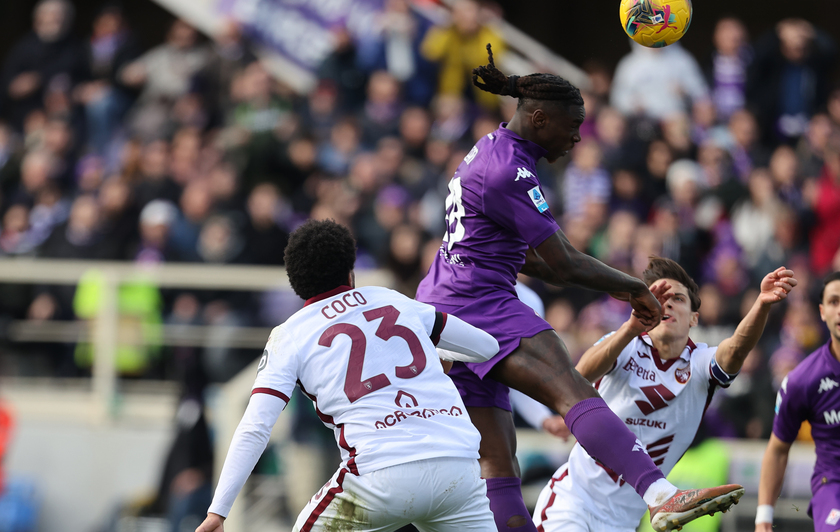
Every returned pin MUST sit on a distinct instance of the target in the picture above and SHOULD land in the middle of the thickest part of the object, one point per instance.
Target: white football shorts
(560, 510)
(436, 495)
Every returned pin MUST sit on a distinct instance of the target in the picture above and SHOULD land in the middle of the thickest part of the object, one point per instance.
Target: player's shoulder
(812, 368)
(507, 160)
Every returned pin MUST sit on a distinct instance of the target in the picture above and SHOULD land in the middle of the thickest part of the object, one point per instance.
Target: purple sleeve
(518, 205)
(791, 410)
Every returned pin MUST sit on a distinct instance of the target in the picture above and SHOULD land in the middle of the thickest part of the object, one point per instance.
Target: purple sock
(606, 438)
(505, 494)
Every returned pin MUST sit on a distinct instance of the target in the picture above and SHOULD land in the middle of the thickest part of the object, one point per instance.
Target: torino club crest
(683, 374)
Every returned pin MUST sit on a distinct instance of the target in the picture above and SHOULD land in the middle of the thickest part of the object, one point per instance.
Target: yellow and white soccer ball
(655, 23)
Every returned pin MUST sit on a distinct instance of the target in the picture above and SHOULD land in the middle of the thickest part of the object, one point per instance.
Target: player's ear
(539, 119)
(822, 315)
(352, 279)
(694, 320)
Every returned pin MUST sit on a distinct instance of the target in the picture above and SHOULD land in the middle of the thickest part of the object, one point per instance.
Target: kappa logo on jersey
(832, 418)
(410, 400)
(538, 199)
(827, 384)
(471, 155)
(523, 173)
(833, 517)
(683, 374)
(639, 446)
(263, 361)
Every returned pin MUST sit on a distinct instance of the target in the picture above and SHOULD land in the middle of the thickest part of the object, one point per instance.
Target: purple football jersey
(494, 211)
(811, 392)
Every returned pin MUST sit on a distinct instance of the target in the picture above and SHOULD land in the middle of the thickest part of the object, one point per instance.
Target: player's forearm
(599, 359)
(734, 350)
(570, 266)
(249, 442)
(773, 467)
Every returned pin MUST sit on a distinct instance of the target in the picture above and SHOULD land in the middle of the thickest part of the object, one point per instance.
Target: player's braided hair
(661, 268)
(319, 257)
(532, 86)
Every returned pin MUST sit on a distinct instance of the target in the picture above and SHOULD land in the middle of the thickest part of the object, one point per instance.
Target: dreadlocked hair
(532, 86)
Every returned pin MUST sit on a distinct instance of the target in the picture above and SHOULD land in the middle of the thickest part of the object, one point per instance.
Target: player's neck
(668, 348)
(520, 127)
(834, 347)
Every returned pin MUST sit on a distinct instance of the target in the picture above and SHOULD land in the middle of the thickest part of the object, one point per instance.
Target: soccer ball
(655, 23)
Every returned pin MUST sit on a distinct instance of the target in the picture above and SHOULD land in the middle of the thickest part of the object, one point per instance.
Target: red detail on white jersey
(316, 513)
(351, 463)
(269, 391)
(551, 498)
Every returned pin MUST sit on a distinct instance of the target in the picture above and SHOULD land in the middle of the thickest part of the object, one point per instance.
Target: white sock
(659, 492)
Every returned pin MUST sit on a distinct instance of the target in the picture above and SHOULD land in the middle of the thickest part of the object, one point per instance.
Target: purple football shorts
(825, 508)
(508, 320)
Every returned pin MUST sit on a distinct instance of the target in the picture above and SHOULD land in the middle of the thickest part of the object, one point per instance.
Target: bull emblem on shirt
(683, 374)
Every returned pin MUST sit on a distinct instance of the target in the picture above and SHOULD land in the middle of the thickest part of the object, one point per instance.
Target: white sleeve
(462, 342)
(249, 442)
(531, 411)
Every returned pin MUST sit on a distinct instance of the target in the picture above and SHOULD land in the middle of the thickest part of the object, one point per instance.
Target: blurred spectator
(754, 219)
(105, 97)
(381, 113)
(15, 235)
(163, 74)
(48, 58)
(265, 241)
(79, 237)
(119, 217)
(156, 218)
(336, 155)
(195, 204)
(344, 70)
(812, 145)
(655, 82)
(745, 150)
(229, 53)
(586, 185)
(789, 78)
(460, 47)
(728, 70)
(825, 234)
(396, 49)
(155, 182)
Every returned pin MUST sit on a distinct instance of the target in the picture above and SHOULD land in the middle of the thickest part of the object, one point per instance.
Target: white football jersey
(366, 357)
(662, 402)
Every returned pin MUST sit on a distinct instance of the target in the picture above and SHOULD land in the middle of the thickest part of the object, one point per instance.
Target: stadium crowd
(191, 152)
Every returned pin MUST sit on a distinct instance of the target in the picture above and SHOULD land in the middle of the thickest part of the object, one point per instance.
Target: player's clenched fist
(213, 523)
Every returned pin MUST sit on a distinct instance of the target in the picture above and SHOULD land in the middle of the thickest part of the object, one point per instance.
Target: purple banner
(300, 30)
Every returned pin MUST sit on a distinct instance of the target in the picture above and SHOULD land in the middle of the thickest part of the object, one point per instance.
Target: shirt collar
(328, 294)
(690, 346)
(531, 148)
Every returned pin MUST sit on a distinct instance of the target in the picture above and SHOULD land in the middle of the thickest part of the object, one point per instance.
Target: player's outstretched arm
(733, 351)
(770, 484)
(249, 442)
(598, 359)
(557, 262)
(462, 342)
